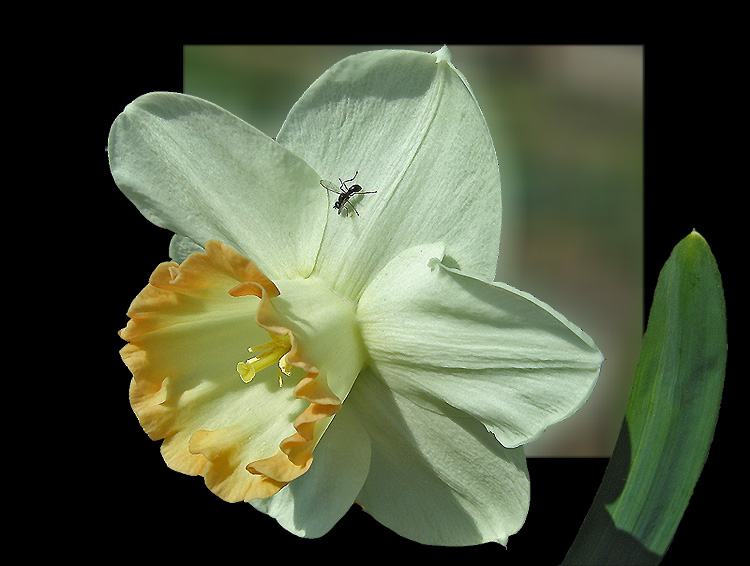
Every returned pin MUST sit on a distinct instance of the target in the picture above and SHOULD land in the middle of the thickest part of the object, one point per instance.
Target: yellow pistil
(272, 352)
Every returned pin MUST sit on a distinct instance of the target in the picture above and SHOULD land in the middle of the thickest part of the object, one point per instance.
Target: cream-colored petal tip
(443, 54)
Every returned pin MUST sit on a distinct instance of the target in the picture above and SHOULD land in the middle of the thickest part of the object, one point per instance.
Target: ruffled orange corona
(228, 444)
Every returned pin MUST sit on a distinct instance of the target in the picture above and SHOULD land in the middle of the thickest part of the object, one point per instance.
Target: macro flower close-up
(328, 331)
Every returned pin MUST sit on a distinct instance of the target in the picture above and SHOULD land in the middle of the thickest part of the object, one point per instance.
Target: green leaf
(670, 419)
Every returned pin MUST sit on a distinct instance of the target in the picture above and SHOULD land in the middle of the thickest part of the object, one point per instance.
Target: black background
(139, 508)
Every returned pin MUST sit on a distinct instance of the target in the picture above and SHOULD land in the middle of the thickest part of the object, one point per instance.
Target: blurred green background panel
(567, 122)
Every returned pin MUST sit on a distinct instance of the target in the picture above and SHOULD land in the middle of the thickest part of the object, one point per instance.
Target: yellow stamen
(272, 352)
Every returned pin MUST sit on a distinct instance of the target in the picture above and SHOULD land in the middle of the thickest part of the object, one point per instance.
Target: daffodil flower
(303, 359)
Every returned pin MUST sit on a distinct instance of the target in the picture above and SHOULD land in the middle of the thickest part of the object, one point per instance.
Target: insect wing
(333, 187)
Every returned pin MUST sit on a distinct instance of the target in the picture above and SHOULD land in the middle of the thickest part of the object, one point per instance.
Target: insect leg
(354, 209)
(343, 183)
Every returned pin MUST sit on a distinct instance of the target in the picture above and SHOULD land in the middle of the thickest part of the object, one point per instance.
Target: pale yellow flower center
(269, 353)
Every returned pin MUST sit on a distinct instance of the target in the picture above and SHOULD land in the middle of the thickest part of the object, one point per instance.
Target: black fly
(345, 193)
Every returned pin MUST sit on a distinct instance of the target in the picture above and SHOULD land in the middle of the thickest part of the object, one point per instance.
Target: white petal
(434, 479)
(201, 172)
(411, 127)
(447, 340)
(181, 247)
(313, 503)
